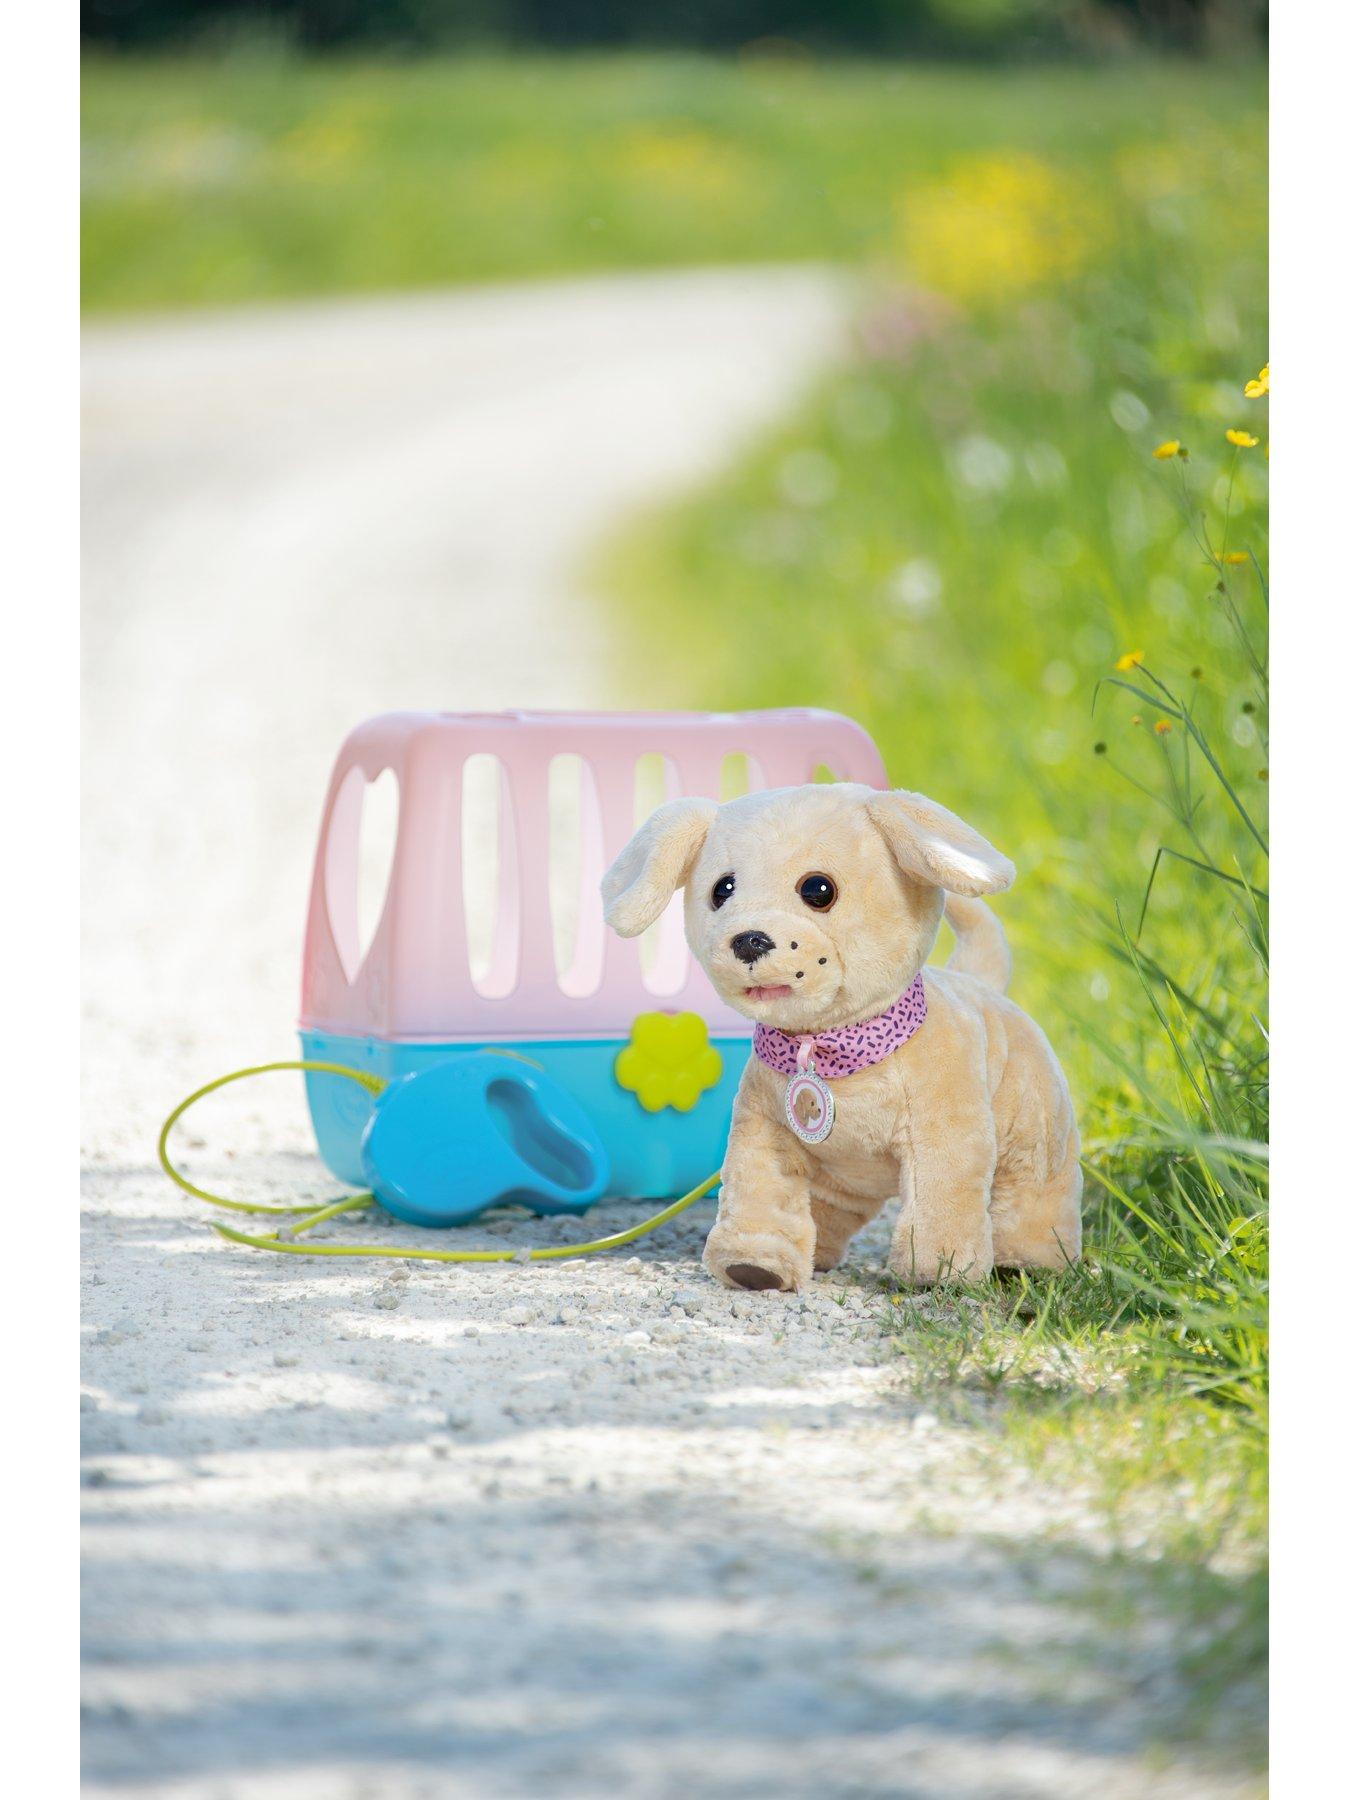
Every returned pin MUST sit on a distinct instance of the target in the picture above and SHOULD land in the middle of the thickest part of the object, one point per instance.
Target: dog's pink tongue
(768, 993)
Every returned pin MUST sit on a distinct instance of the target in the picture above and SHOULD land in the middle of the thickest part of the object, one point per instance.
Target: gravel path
(567, 1530)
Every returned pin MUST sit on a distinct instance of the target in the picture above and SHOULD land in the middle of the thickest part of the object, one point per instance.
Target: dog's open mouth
(779, 992)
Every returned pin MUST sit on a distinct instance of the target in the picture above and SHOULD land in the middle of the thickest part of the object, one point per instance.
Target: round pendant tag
(807, 1093)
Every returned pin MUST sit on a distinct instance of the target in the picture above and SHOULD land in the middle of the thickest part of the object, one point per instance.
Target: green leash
(306, 1218)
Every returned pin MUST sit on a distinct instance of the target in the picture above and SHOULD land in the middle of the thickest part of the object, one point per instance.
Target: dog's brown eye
(818, 891)
(723, 888)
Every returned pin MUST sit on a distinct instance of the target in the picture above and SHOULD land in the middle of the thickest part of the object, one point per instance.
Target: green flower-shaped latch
(668, 1061)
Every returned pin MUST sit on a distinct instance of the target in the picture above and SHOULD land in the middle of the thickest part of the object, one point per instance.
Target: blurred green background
(232, 164)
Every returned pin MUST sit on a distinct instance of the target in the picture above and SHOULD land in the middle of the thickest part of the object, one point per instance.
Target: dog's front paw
(756, 1260)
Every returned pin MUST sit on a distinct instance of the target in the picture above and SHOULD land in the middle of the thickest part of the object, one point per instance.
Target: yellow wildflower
(1243, 439)
(1235, 556)
(1162, 727)
(990, 227)
(1170, 448)
(1130, 660)
(1135, 719)
(1261, 385)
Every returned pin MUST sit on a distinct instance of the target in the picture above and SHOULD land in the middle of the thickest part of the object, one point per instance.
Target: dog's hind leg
(1036, 1210)
(1038, 1184)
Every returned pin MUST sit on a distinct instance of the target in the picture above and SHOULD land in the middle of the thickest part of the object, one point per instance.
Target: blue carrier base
(653, 1156)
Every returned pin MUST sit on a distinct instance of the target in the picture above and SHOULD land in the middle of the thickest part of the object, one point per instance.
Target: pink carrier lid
(419, 977)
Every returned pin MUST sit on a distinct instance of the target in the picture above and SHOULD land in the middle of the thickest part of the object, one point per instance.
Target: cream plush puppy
(813, 911)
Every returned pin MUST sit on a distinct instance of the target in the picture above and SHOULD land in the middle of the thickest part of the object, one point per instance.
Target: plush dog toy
(813, 910)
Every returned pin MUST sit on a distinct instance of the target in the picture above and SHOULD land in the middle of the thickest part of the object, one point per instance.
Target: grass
(258, 177)
(1084, 1398)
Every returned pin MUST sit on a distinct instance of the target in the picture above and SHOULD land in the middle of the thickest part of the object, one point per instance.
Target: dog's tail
(981, 943)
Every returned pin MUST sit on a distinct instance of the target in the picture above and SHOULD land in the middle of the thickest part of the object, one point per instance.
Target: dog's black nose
(750, 945)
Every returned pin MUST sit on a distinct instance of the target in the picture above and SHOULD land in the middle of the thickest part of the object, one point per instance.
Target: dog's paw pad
(750, 1275)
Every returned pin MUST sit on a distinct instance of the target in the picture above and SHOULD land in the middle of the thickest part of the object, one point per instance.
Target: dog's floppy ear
(657, 860)
(933, 845)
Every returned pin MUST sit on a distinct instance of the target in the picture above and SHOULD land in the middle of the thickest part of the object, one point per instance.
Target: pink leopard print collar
(847, 1048)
